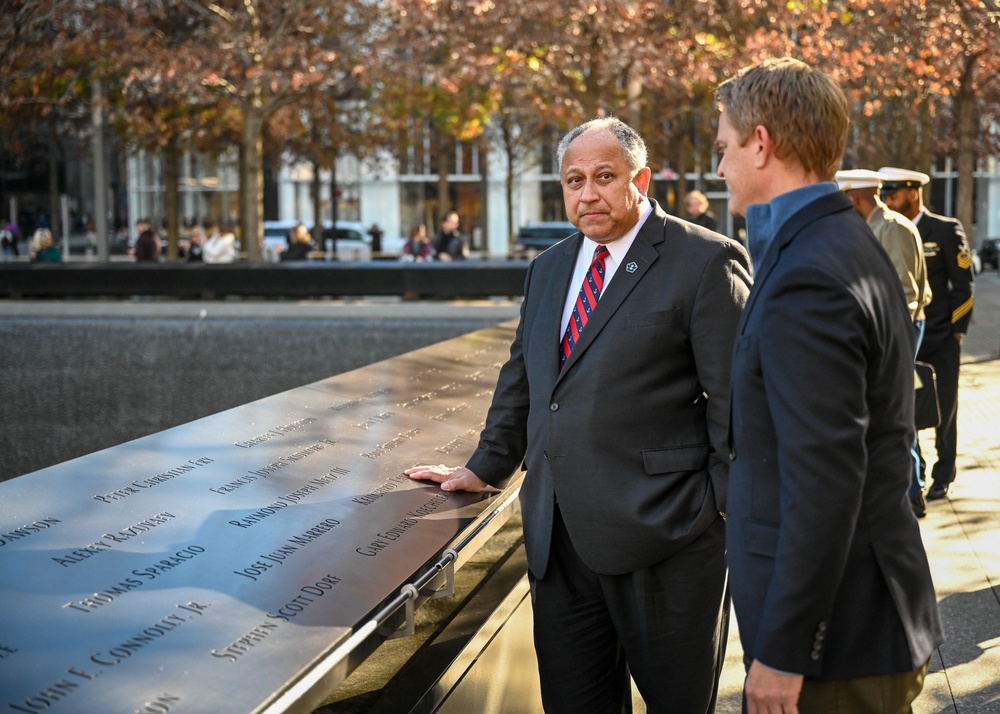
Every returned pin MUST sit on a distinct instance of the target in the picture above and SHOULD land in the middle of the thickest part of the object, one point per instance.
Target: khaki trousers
(886, 694)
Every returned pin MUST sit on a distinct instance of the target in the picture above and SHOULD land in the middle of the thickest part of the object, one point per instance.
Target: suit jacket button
(554, 407)
(545, 453)
(732, 454)
(814, 655)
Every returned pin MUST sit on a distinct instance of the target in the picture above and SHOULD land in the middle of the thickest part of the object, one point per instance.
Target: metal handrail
(408, 594)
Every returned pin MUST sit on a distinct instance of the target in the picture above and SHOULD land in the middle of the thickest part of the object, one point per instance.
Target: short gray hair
(632, 144)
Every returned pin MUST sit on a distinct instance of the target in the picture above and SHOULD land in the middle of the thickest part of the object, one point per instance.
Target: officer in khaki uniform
(901, 240)
(949, 271)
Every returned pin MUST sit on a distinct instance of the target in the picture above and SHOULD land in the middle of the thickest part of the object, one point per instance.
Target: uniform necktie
(586, 301)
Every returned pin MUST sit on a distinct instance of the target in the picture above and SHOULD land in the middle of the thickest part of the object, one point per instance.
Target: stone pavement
(962, 538)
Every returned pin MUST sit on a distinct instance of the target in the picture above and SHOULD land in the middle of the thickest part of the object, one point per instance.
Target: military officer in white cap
(901, 240)
(895, 232)
(949, 270)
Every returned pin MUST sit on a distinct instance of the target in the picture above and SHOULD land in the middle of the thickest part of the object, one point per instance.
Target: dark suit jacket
(630, 437)
(949, 272)
(828, 573)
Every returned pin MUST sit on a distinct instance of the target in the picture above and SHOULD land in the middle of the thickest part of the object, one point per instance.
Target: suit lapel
(637, 262)
(548, 320)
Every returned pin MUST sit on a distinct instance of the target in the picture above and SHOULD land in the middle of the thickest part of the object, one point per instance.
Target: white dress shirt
(585, 257)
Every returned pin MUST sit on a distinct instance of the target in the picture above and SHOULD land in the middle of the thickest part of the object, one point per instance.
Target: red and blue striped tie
(586, 301)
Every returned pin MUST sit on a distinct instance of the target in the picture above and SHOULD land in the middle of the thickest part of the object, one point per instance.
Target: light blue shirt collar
(764, 220)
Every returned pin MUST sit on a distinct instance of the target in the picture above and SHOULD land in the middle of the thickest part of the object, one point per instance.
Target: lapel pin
(632, 267)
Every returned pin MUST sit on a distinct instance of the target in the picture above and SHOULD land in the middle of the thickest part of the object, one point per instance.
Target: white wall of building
(988, 206)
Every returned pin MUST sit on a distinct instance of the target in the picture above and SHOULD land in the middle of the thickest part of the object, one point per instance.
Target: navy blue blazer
(828, 572)
(630, 438)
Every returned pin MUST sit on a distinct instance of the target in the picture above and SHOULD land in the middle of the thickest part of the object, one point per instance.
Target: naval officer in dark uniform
(949, 271)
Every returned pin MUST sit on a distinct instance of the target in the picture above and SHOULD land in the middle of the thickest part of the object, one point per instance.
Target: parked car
(535, 237)
(349, 240)
(988, 250)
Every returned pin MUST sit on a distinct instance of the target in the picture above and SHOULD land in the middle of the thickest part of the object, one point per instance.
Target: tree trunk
(252, 188)
(334, 191)
(317, 207)
(171, 176)
(508, 143)
(965, 117)
(683, 147)
(55, 209)
(925, 148)
(635, 96)
(445, 146)
(484, 208)
(100, 176)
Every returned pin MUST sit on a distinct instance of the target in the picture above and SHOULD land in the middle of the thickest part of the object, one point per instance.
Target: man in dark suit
(622, 426)
(949, 271)
(448, 245)
(831, 585)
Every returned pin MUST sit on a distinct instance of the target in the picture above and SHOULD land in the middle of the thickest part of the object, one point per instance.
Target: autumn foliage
(322, 77)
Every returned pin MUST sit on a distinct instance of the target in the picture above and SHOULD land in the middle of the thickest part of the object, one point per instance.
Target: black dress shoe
(918, 504)
(937, 491)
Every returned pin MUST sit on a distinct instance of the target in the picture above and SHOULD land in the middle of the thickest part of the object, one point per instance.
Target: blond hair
(803, 109)
(701, 198)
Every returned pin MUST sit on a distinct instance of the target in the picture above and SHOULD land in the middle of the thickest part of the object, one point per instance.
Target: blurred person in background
(8, 240)
(418, 248)
(220, 246)
(697, 207)
(195, 246)
(43, 250)
(449, 245)
(300, 243)
(147, 246)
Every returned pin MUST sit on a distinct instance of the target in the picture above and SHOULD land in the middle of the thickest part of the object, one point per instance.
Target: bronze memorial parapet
(234, 563)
